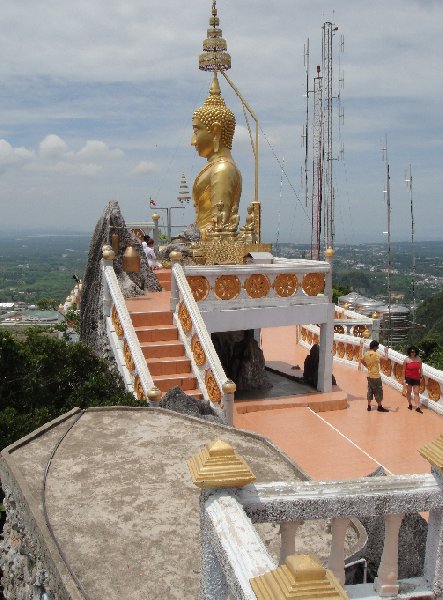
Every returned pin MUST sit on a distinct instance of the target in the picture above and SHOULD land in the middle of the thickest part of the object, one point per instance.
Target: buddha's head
(213, 123)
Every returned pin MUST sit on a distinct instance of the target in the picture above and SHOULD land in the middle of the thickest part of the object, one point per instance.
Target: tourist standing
(371, 361)
(412, 373)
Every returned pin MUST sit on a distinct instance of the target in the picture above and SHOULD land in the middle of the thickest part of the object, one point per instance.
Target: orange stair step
(156, 333)
(163, 349)
(155, 317)
(169, 365)
(185, 381)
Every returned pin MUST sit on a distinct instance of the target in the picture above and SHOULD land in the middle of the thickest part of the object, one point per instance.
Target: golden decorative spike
(214, 56)
(218, 466)
(301, 577)
(433, 453)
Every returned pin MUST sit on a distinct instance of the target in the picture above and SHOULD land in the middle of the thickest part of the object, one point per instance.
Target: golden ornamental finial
(214, 56)
(433, 453)
(302, 576)
(218, 466)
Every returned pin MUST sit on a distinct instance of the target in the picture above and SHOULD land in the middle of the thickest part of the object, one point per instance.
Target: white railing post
(229, 388)
(108, 257)
(433, 567)
(386, 582)
(336, 563)
(329, 256)
(175, 258)
(324, 382)
(287, 539)
(156, 217)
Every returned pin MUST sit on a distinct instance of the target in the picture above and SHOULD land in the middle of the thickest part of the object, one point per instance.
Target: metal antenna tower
(322, 190)
(306, 126)
(408, 181)
(387, 193)
(317, 167)
(327, 85)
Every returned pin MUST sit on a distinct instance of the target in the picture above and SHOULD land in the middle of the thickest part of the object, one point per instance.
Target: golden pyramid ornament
(302, 577)
(433, 452)
(218, 466)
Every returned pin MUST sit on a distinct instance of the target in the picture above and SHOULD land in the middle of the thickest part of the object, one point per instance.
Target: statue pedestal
(227, 250)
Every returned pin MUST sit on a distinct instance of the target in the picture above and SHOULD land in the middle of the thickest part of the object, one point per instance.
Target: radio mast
(322, 157)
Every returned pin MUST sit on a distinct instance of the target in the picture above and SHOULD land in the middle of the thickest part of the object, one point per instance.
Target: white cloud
(144, 167)
(98, 149)
(87, 169)
(119, 90)
(52, 146)
(13, 156)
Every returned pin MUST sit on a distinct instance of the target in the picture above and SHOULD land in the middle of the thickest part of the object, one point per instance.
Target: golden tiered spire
(218, 466)
(214, 56)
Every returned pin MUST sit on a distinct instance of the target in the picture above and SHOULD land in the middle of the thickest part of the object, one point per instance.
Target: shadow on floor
(282, 386)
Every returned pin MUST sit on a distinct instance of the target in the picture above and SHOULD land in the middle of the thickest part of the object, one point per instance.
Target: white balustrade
(288, 532)
(339, 527)
(232, 547)
(204, 361)
(349, 349)
(386, 582)
(113, 298)
(269, 291)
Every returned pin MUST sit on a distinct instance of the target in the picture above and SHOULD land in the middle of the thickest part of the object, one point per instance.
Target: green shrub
(42, 377)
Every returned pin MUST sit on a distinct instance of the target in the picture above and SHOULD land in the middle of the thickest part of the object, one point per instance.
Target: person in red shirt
(412, 373)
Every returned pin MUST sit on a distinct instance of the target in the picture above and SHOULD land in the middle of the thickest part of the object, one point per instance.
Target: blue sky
(96, 104)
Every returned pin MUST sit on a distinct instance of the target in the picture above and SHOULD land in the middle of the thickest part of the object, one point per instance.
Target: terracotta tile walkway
(344, 443)
(338, 444)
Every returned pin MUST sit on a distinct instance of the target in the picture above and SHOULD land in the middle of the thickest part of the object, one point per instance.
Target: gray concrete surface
(121, 502)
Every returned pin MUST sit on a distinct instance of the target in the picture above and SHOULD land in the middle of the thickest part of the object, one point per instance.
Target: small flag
(151, 202)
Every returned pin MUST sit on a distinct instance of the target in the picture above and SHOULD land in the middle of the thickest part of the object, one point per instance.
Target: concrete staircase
(158, 337)
(164, 276)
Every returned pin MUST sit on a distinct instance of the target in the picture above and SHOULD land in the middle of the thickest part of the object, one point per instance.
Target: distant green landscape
(40, 266)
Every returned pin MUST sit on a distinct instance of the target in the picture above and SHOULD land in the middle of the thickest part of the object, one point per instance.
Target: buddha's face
(202, 139)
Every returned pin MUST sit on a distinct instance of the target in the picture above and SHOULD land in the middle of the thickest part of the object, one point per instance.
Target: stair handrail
(180, 289)
(141, 383)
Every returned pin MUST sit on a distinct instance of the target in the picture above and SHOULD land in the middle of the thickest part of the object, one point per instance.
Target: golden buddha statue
(217, 188)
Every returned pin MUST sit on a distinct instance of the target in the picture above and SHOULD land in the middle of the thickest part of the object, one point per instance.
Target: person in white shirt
(148, 247)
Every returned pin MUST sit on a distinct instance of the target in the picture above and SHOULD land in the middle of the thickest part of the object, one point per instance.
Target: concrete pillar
(375, 333)
(229, 388)
(324, 383)
(329, 256)
(433, 567)
(156, 218)
(336, 563)
(386, 582)
(287, 539)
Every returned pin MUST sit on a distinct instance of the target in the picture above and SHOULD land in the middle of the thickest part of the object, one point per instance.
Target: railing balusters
(386, 583)
(287, 539)
(336, 563)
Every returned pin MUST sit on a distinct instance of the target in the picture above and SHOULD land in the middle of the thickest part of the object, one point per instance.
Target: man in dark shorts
(371, 361)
